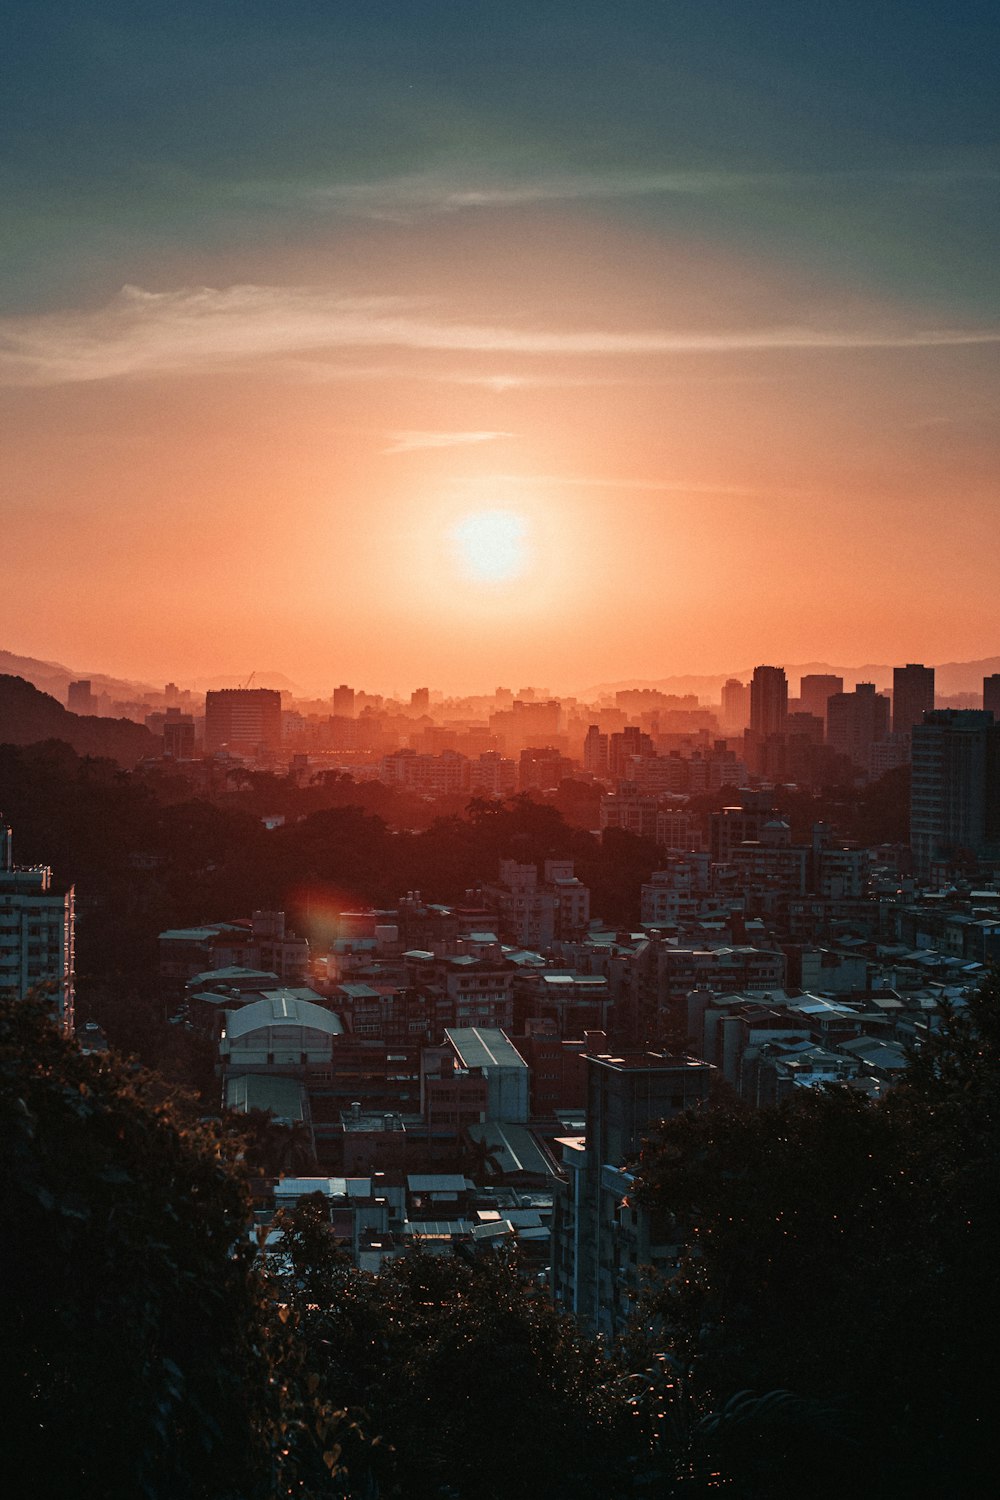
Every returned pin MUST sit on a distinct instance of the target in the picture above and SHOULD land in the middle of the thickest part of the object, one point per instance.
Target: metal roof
(282, 1008)
(487, 1048)
(449, 1183)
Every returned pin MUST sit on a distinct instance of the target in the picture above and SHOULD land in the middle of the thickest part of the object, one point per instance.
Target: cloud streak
(401, 199)
(411, 442)
(144, 334)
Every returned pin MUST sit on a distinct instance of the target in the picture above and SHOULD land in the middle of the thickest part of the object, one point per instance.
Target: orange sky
(726, 447)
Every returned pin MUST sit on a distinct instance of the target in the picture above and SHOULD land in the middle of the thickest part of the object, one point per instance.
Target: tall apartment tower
(955, 802)
(815, 691)
(735, 705)
(991, 695)
(626, 1096)
(242, 720)
(912, 696)
(595, 751)
(36, 932)
(856, 722)
(768, 700)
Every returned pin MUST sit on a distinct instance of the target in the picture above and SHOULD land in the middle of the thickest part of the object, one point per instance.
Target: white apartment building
(36, 932)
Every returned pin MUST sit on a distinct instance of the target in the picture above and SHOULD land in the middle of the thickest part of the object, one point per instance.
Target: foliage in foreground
(847, 1251)
(143, 1353)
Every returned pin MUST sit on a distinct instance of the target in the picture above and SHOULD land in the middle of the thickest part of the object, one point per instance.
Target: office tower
(856, 722)
(36, 932)
(955, 802)
(343, 701)
(735, 706)
(912, 696)
(991, 695)
(420, 699)
(79, 697)
(815, 691)
(768, 700)
(171, 694)
(242, 720)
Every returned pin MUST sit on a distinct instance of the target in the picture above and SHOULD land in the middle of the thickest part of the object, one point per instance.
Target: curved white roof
(282, 1008)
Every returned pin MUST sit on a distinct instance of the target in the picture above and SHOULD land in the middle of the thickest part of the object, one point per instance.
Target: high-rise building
(955, 802)
(343, 701)
(595, 752)
(815, 691)
(735, 706)
(768, 700)
(594, 1270)
(991, 695)
(36, 932)
(80, 698)
(856, 722)
(420, 699)
(242, 720)
(912, 696)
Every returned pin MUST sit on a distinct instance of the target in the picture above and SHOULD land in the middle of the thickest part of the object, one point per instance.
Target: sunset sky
(406, 342)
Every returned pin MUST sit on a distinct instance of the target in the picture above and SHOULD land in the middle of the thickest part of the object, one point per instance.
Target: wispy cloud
(410, 442)
(161, 333)
(449, 190)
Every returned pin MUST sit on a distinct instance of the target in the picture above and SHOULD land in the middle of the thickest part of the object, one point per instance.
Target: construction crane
(250, 679)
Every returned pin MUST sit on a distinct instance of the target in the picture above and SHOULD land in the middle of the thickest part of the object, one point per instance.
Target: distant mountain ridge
(28, 716)
(53, 678)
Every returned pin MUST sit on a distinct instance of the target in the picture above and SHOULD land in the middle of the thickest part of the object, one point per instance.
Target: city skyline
(579, 346)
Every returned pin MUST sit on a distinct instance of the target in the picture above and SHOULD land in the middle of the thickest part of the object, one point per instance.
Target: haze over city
(327, 350)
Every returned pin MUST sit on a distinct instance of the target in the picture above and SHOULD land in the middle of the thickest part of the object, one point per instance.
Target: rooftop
(487, 1048)
(282, 1007)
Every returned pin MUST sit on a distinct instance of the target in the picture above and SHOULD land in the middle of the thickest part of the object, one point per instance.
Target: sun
(492, 545)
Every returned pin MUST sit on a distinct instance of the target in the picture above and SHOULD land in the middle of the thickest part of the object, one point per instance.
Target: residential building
(735, 706)
(856, 722)
(768, 700)
(596, 1249)
(37, 924)
(815, 691)
(955, 800)
(912, 696)
(595, 752)
(507, 1074)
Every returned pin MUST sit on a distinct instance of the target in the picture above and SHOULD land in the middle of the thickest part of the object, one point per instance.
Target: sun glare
(492, 545)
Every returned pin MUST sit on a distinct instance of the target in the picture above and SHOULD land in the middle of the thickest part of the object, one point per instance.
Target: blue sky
(859, 140)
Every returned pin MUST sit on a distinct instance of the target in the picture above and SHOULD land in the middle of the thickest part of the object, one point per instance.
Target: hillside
(52, 677)
(27, 716)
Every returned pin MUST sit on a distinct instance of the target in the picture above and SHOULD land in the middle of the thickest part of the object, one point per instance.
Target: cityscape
(500, 752)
